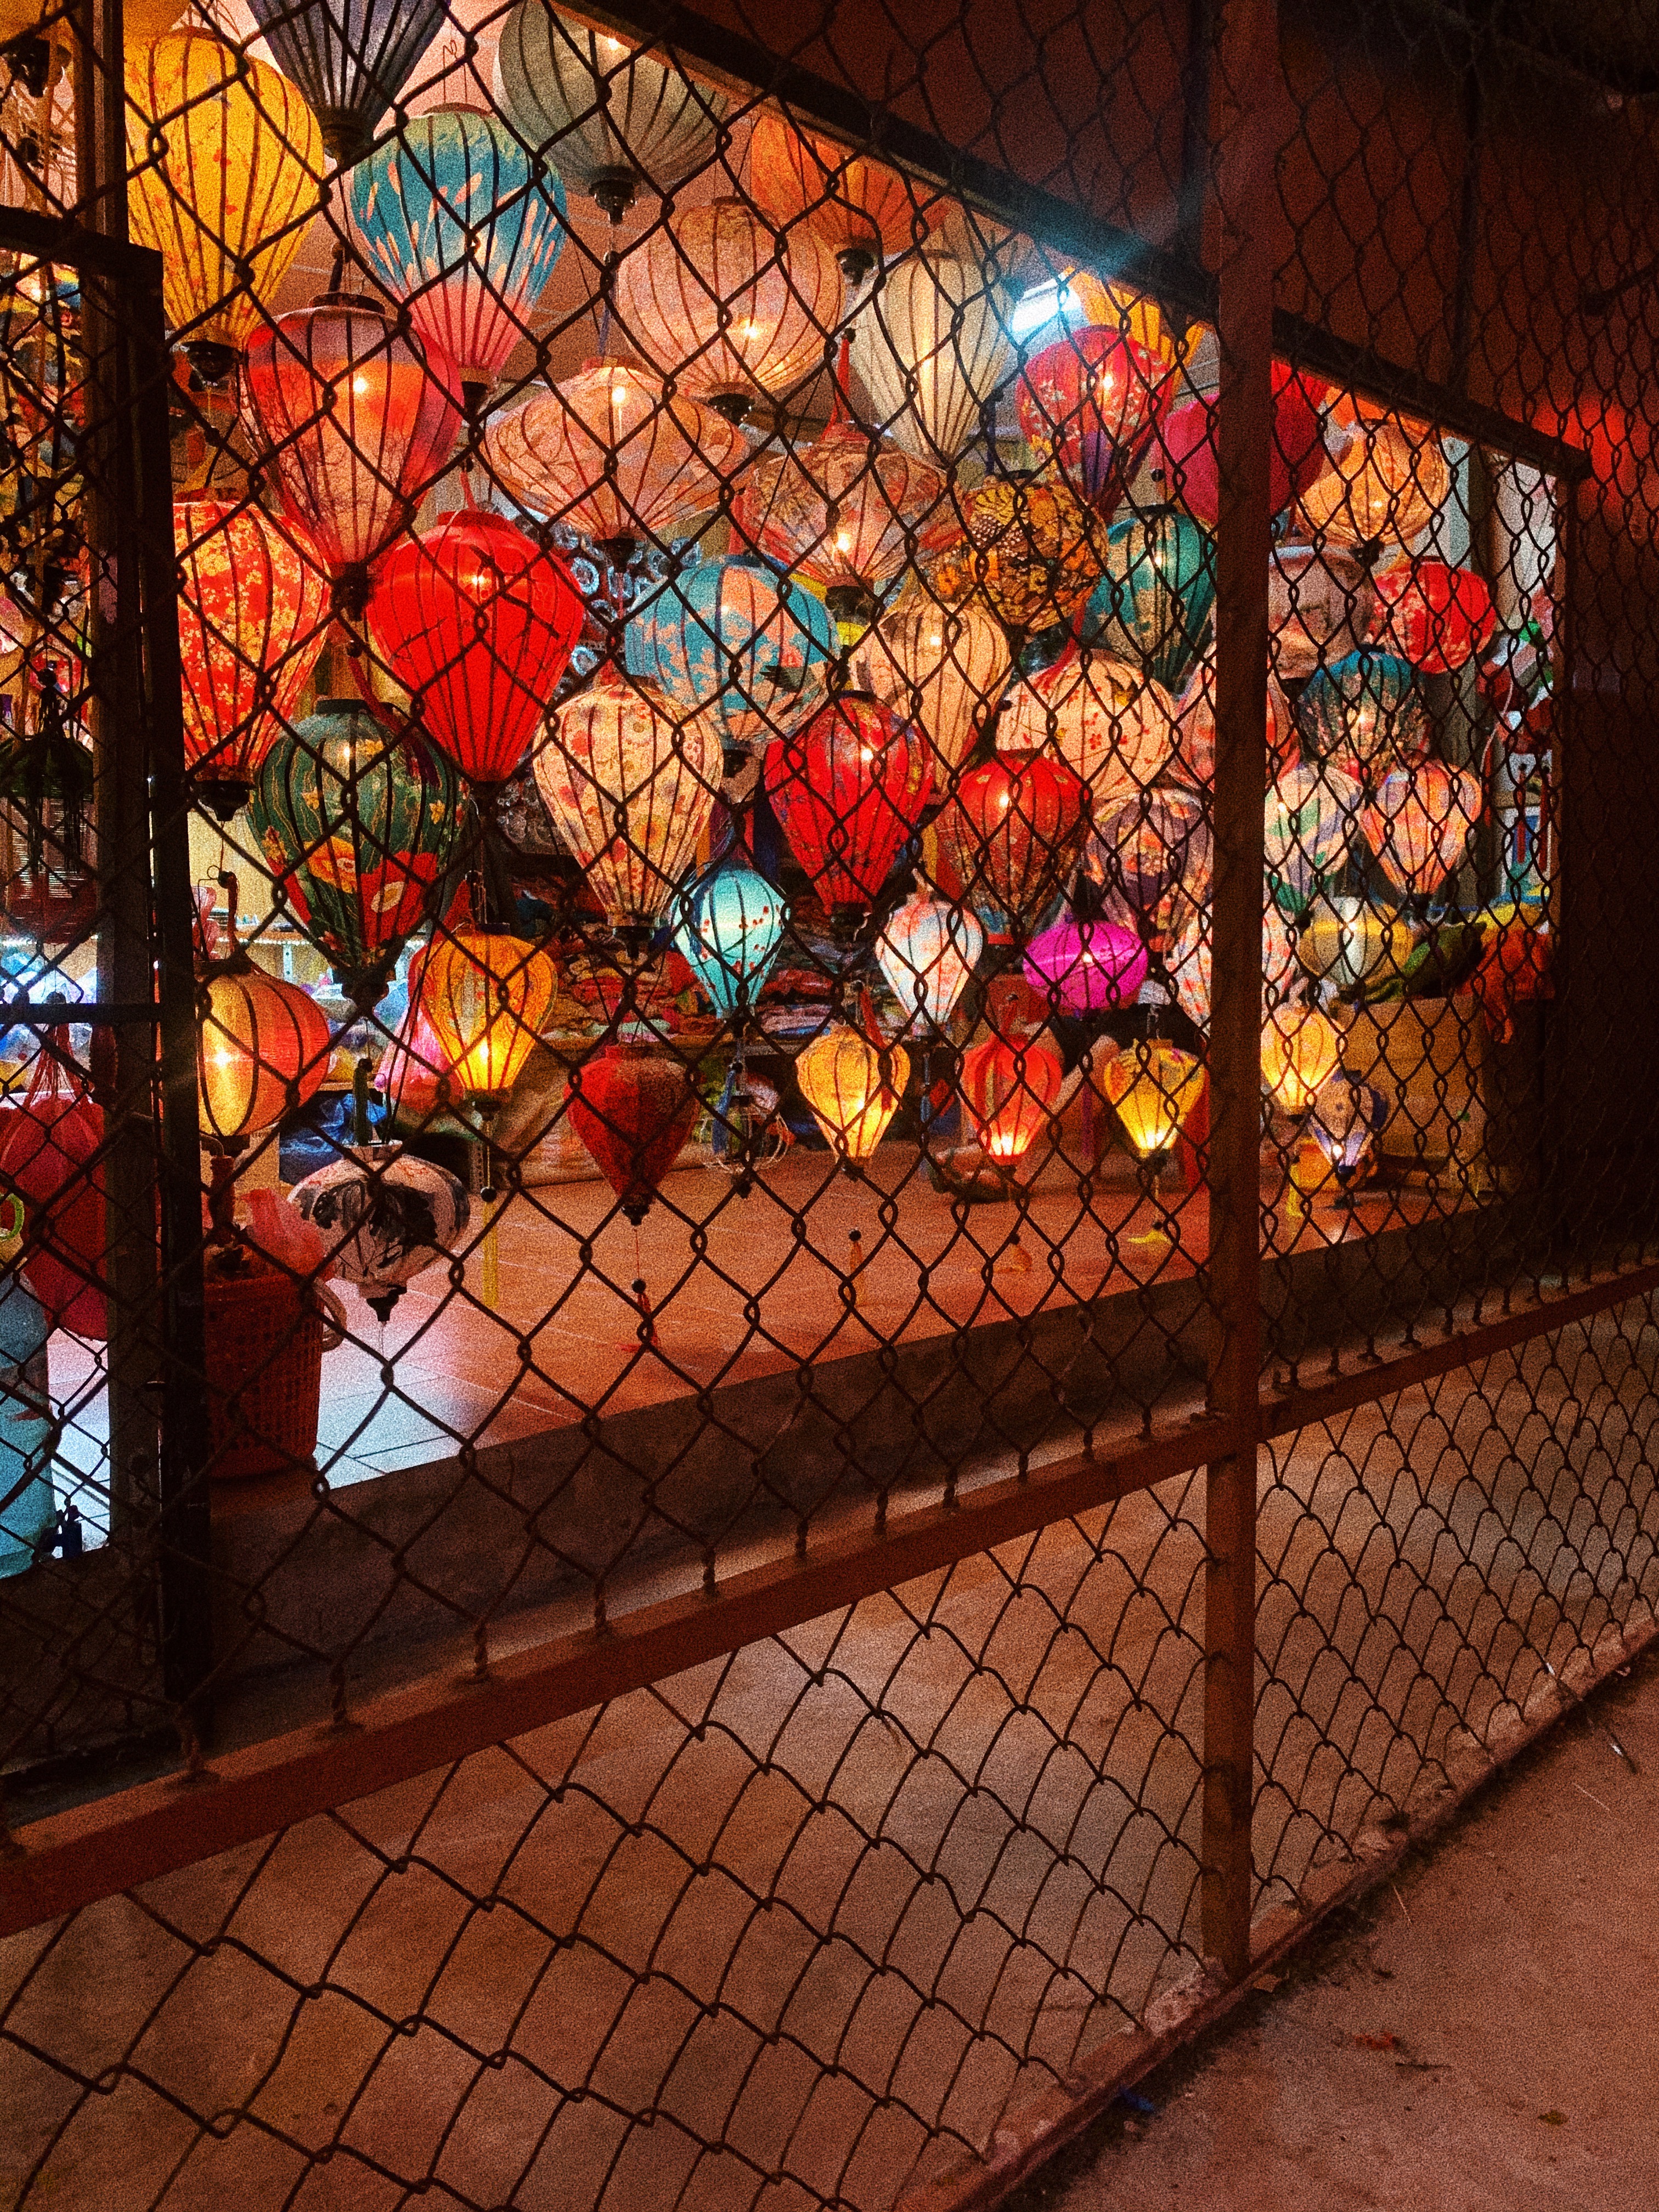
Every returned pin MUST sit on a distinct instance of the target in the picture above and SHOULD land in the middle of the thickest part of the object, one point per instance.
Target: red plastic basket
(265, 1341)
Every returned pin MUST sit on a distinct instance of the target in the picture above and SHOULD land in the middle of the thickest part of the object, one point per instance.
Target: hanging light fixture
(457, 225)
(1090, 403)
(942, 668)
(52, 1155)
(1153, 1085)
(1030, 549)
(1114, 729)
(738, 644)
(632, 1107)
(615, 120)
(1151, 854)
(930, 348)
(1363, 714)
(1308, 820)
(1301, 1050)
(1008, 839)
(1345, 1121)
(487, 995)
(225, 165)
(1321, 602)
(736, 312)
(1384, 486)
(1086, 967)
(853, 1089)
(354, 426)
(1344, 942)
(730, 924)
(1008, 1089)
(1153, 606)
(253, 615)
(478, 622)
(630, 787)
(350, 58)
(848, 791)
(609, 453)
(1418, 823)
(927, 951)
(262, 1047)
(1436, 617)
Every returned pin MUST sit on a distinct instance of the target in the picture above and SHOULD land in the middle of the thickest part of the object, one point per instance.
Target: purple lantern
(1086, 967)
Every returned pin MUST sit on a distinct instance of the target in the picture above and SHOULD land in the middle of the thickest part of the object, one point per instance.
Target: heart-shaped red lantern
(1007, 841)
(1434, 617)
(48, 1146)
(849, 789)
(1009, 1089)
(633, 1108)
(1296, 459)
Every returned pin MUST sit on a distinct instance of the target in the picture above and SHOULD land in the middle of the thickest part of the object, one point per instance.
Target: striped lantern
(1363, 714)
(1152, 854)
(853, 1089)
(729, 924)
(1090, 403)
(1418, 822)
(1153, 606)
(350, 58)
(1384, 486)
(738, 643)
(927, 951)
(848, 789)
(1009, 838)
(944, 669)
(1437, 617)
(930, 348)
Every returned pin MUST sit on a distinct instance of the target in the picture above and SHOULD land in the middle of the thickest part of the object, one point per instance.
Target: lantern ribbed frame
(1008, 1089)
(1301, 1050)
(849, 790)
(1152, 854)
(930, 348)
(926, 951)
(944, 669)
(1417, 824)
(1308, 822)
(1012, 833)
(262, 1050)
(1112, 727)
(853, 1089)
(487, 995)
(350, 58)
(1384, 486)
(1153, 1085)
(1090, 403)
(1435, 616)
(862, 210)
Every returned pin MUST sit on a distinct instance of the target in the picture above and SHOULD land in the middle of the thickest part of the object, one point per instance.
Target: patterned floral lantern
(1418, 823)
(1301, 1050)
(862, 211)
(1152, 607)
(478, 623)
(456, 222)
(1151, 854)
(1112, 727)
(1090, 403)
(1192, 764)
(253, 612)
(227, 164)
(944, 669)
(613, 118)
(353, 425)
(853, 1089)
(849, 790)
(738, 644)
(1008, 1089)
(360, 824)
(1307, 822)
(1154, 1085)
(1297, 457)
(1031, 551)
(350, 60)
(737, 313)
(1086, 967)
(611, 454)
(1363, 714)
(931, 347)
(1321, 601)
(1186, 963)
(1008, 839)
(630, 787)
(1434, 617)
(730, 924)
(632, 1107)
(486, 995)
(1384, 486)
(926, 951)
(385, 1217)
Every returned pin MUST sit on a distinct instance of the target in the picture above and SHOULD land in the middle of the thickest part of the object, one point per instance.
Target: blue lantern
(458, 223)
(742, 641)
(731, 923)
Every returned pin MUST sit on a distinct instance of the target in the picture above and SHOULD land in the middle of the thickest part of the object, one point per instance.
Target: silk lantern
(730, 924)
(51, 1153)
(350, 58)
(478, 622)
(931, 347)
(1114, 728)
(1383, 488)
(487, 995)
(849, 790)
(354, 426)
(360, 824)
(1009, 838)
(738, 643)
(456, 223)
(1307, 820)
(1153, 606)
(1090, 403)
(1297, 455)
(614, 119)
(1345, 1121)
(48, 859)
(630, 788)
(1418, 823)
(385, 1217)
(1363, 714)
(251, 615)
(226, 166)
(262, 1047)
(1187, 964)
(944, 669)
(1301, 1050)
(1343, 942)
(1030, 550)
(1192, 764)
(927, 951)
(1436, 617)
(852, 1088)
(736, 312)
(632, 1107)
(1321, 601)
(1008, 1089)
(1153, 1085)
(1151, 853)
(862, 210)
(1086, 967)
(609, 453)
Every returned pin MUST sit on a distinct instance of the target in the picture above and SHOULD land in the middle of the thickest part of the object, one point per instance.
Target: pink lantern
(1086, 967)
(1298, 458)
(1193, 761)
(1418, 823)
(1112, 727)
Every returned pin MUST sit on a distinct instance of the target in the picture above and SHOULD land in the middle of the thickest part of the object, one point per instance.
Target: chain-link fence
(827, 1141)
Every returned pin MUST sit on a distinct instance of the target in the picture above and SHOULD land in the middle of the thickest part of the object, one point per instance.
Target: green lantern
(360, 823)
(1364, 715)
(1153, 605)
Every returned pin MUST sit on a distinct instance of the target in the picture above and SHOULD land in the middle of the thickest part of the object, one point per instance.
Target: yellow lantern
(1154, 1086)
(853, 1089)
(1301, 1050)
(227, 164)
(1344, 941)
(262, 1050)
(486, 995)
(1383, 488)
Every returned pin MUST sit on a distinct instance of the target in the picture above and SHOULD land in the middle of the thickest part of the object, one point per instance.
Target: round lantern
(1151, 853)
(1321, 601)
(1032, 551)
(730, 924)
(609, 453)
(1418, 823)
(1307, 820)
(354, 427)
(738, 644)
(1086, 967)
(1154, 1086)
(1114, 728)
(632, 1107)
(487, 995)
(1008, 1089)
(385, 1217)
(360, 824)
(1383, 488)
(613, 119)
(1090, 402)
(931, 349)
(1301, 1050)
(630, 787)
(477, 623)
(1343, 943)
(1363, 714)
(252, 621)
(735, 312)
(227, 163)
(1010, 836)
(51, 1153)
(457, 223)
(849, 790)
(862, 211)
(1345, 1121)
(927, 951)
(944, 669)
(1296, 457)
(1153, 605)
(1434, 617)
(48, 880)
(350, 61)
(853, 1089)
(262, 1048)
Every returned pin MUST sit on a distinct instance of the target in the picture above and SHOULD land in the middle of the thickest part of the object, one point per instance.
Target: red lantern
(1009, 1089)
(478, 624)
(1091, 401)
(47, 1147)
(1434, 617)
(1008, 839)
(1298, 458)
(633, 1108)
(849, 790)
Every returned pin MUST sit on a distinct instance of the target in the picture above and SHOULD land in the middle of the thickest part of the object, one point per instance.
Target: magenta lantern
(1086, 967)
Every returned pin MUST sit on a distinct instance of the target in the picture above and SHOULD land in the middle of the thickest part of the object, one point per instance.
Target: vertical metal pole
(1246, 70)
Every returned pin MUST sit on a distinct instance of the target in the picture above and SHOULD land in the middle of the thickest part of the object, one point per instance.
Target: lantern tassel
(489, 1271)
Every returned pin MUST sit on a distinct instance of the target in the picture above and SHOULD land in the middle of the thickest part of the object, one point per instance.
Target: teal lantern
(460, 225)
(1153, 606)
(1364, 715)
(742, 641)
(730, 926)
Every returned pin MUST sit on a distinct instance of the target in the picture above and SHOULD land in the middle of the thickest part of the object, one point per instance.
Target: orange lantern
(486, 995)
(1032, 549)
(1301, 1050)
(1009, 1089)
(262, 1047)
(1383, 488)
(1153, 1086)
(862, 211)
(854, 1088)
(1418, 823)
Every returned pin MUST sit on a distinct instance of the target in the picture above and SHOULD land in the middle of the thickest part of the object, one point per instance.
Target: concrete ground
(1481, 2035)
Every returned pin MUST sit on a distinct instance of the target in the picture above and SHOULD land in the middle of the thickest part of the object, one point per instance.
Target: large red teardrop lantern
(849, 789)
(478, 624)
(633, 1108)
(1434, 617)
(48, 1146)
(1007, 839)
(1090, 402)
(1297, 457)
(1008, 1089)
